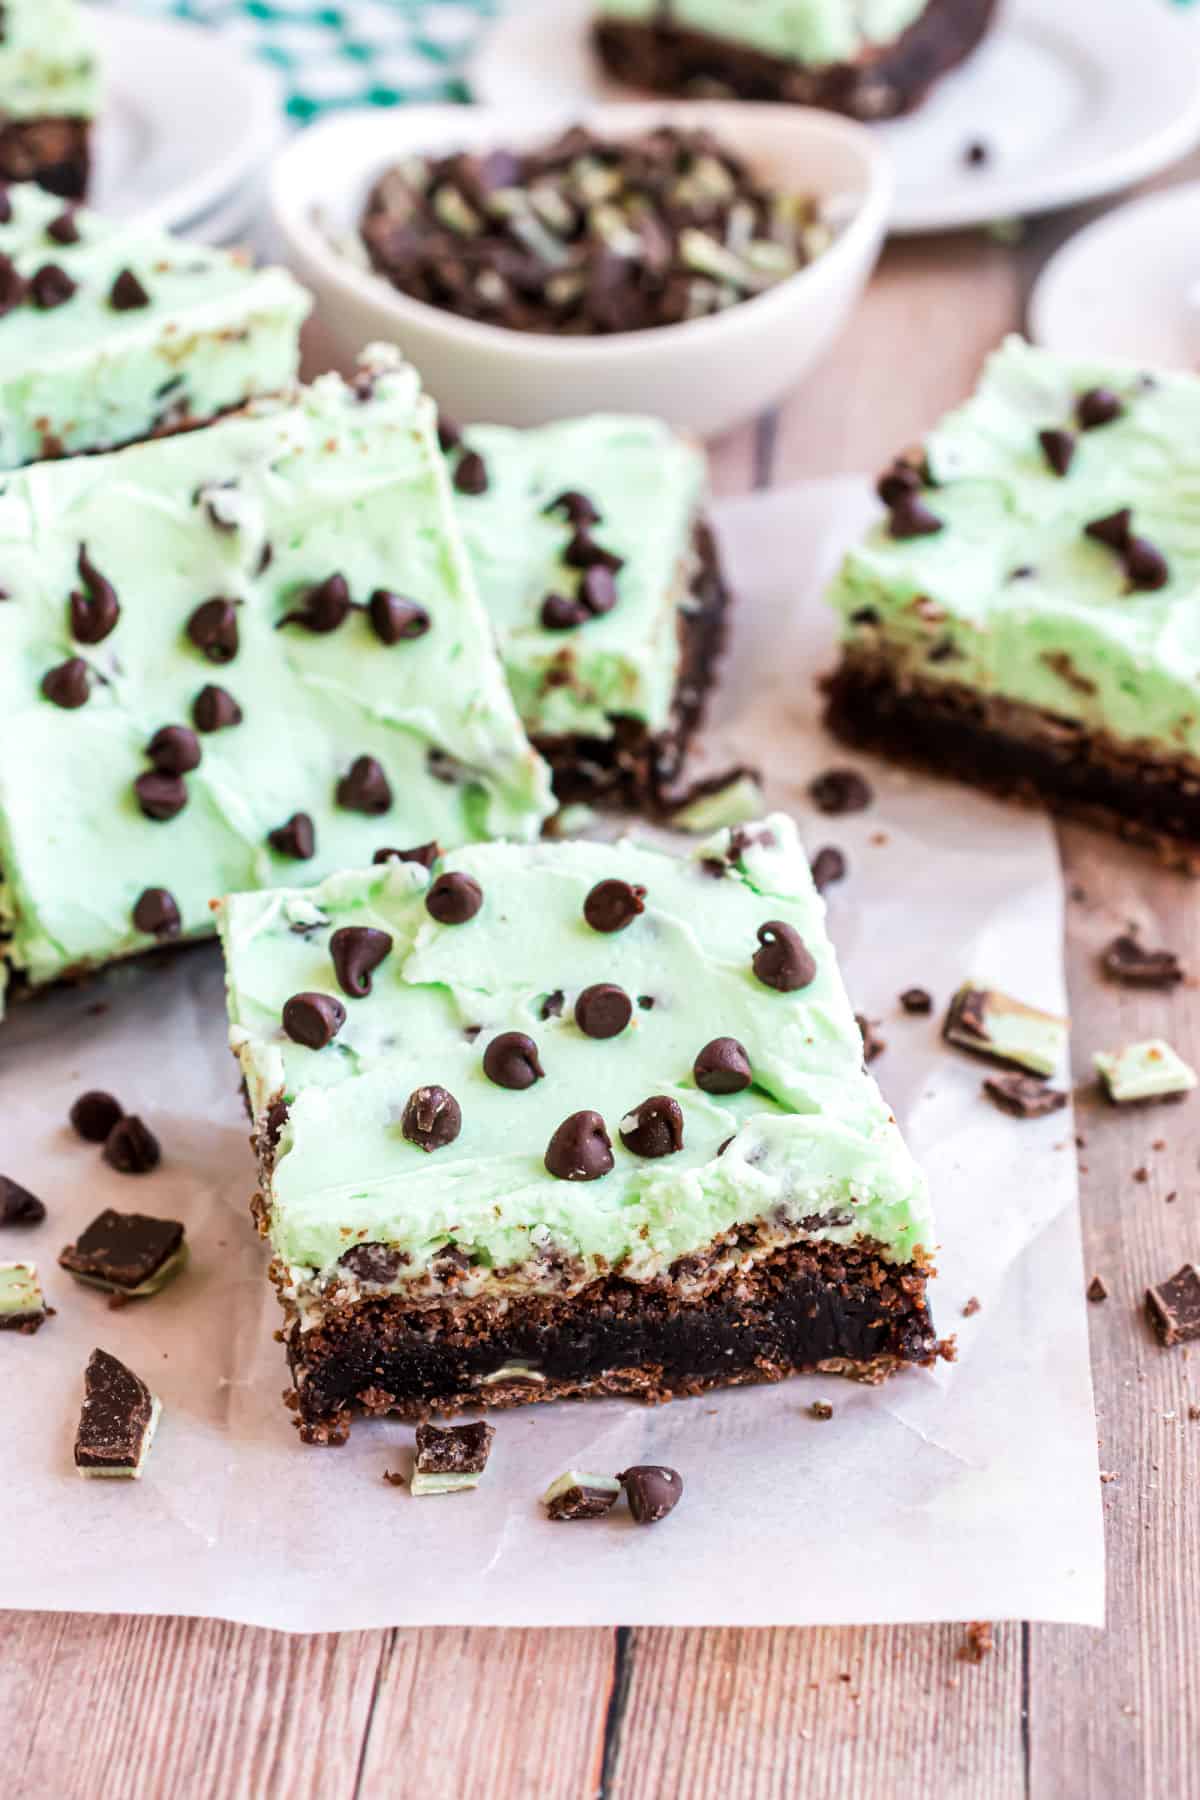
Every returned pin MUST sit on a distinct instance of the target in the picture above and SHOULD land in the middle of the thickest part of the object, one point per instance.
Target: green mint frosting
(814, 1149)
(87, 375)
(808, 31)
(48, 62)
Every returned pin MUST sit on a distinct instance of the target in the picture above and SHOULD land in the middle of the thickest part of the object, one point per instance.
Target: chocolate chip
(14, 289)
(722, 1067)
(174, 750)
(67, 684)
(357, 951)
(161, 797)
(17, 1205)
(454, 898)
(828, 866)
(552, 1005)
(598, 591)
(1058, 447)
(576, 508)
(898, 482)
(449, 434)
(131, 1148)
(156, 913)
(296, 838)
(364, 788)
(127, 293)
(372, 1262)
(323, 608)
(275, 1120)
(1146, 567)
(603, 1011)
(1174, 1306)
(313, 1020)
(976, 154)
(580, 1149)
(424, 854)
(64, 229)
(613, 905)
(213, 629)
(1112, 529)
(840, 791)
(1024, 1096)
(559, 613)
(1099, 406)
(50, 286)
(6, 211)
(471, 476)
(873, 1044)
(511, 1061)
(94, 1114)
(432, 1118)
(395, 619)
(652, 1491)
(1128, 961)
(911, 518)
(782, 961)
(95, 612)
(655, 1128)
(917, 1000)
(215, 710)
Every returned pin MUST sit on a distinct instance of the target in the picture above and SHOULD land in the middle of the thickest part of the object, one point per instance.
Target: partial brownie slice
(111, 333)
(1025, 617)
(597, 1124)
(243, 655)
(50, 91)
(606, 593)
(871, 62)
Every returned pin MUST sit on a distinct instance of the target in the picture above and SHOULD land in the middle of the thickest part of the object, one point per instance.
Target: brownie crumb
(821, 1409)
(979, 1642)
(840, 791)
(972, 1306)
(1096, 1289)
(1174, 1307)
(873, 1044)
(917, 1000)
(394, 1478)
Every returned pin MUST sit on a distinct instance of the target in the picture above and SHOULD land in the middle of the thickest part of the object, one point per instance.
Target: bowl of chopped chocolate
(692, 261)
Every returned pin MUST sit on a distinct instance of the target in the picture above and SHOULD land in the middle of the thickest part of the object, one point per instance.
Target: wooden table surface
(113, 1708)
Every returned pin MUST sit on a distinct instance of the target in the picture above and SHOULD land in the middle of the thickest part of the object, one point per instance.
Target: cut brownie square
(872, 62)
(596, 1122)
(1024, 618)
(242, 655)
(113, 333)
(50, 88)
(606, 593)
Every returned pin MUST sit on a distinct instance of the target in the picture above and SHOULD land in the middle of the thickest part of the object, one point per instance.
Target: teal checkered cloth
(351, 53)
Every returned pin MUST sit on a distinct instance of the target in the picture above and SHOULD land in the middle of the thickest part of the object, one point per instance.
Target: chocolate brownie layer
(804, 1307)
(636, 765)
(1021, 753)
(880, 85)
(53, 152)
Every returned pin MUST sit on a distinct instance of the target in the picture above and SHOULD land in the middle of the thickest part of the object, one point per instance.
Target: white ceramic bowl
(704, 376)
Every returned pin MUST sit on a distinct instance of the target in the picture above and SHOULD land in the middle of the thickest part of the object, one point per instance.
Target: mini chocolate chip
(598, 590)
(1058, 447)
(552, 1005)
(313, 1020)
(976, 154)
(424, 854)
(323, 608)
(127, 293)
(357, 951)
(432, 1118)
(67, 684)
(652, 1491)
(781, 961)
(840, 791)
(917, 1000)
(17, 1205)
(898, 483)
(583, 552)
(613, 905)
(580, 1149)
(64, 229)
(131, 1148)
(646, 1002)
(214, 710)
(94, 1114)
(911, 518)
(274, 1121)
(655, 1128)
(603, 1010)
(14, 289)
(174, 750)
(562, 614)
(156, 913)
(372, 1262)
(722, 1067)
(454, 898)
(95, 612)
(364, 788)
(161, 797)
(50, 286)
(828, 866)
(213, 629)
(395, 619)
(873, 1044)
(449, 434)
(471, 476)
(296, 838)
(511, 1061)
(575, 507)
(1099, 406)
(1112, 529)
(1145, 566)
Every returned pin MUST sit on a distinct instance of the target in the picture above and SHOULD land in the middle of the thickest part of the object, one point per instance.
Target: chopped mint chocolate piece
(1174, 1307)
(118, 1421)
(1147, 1071)
(127, 1253)
(1024, 1096)
(730, 799)
(993, 1025)
(451, 1458)
(579, 1496)
(22, 1304)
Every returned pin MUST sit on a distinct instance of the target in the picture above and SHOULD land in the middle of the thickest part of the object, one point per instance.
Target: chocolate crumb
(917, 1000)
(979, 1642)
(828, 866)
(972, 1306)
(821, 1409)
(1096, 1290)
(839, 791)
(873, 1044)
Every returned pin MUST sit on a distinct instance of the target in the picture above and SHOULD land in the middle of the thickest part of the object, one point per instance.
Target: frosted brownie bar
(605, 591)
(112, 333)
(1026, 616)
(238, 657)
(872, 61)
(49, 94)
(571, 1119)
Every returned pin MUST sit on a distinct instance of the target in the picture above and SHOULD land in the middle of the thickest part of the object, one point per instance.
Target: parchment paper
(969, 1492)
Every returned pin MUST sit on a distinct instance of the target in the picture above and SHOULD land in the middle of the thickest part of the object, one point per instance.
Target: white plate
(1073, 98)
(187, 117)
(1128, 286)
